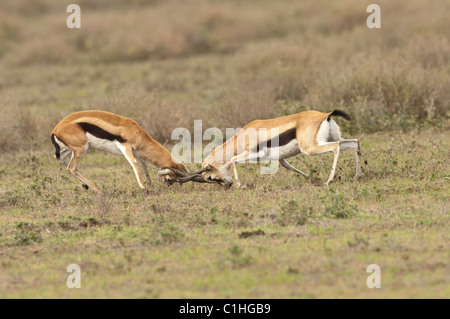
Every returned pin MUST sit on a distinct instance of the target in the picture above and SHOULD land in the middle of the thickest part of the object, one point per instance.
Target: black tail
(339, 113)
(57, 148)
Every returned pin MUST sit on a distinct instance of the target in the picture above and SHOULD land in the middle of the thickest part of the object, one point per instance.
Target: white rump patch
(62, 146)
(328, 132)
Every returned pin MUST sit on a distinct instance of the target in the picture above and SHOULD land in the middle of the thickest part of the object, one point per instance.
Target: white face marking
(222, 173)
(226, 174)
(102, 144)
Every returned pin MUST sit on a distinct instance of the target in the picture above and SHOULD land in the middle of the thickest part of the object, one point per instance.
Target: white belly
(282, 152)
(103, 144)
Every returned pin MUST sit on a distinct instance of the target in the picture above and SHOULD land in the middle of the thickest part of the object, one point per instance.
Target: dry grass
(193, 241)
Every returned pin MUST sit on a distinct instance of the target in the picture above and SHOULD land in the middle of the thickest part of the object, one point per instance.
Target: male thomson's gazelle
(308, 132)
(109, 132)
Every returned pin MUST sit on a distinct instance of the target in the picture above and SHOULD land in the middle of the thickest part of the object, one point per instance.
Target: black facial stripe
(100, 133)
(284, 138)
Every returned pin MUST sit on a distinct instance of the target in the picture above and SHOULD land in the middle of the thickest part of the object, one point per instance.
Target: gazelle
(308, 132)
(109, 132)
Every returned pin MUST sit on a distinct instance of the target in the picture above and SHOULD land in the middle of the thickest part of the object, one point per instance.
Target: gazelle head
(217, 173)
(171, 174)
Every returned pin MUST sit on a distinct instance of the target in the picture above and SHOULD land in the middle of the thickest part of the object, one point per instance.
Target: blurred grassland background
(228, 62)
(166, 63)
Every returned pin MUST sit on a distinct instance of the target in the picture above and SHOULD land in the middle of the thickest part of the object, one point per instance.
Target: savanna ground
(167, 63)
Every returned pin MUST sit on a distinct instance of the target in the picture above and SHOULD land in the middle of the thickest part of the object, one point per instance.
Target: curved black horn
(176, 171)
(186, 174)
(200, 179)
(191, 176)
(195, 178)
(202, 171)
(187, 178)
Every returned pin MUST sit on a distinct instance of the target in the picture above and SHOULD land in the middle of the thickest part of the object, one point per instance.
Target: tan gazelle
(109, 132)
(308, 132)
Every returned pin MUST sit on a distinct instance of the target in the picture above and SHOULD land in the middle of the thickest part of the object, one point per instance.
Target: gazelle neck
(223, 154)
(153, 152)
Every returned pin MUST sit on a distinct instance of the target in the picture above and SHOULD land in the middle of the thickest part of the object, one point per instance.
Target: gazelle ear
(207, 166)
(163, 172)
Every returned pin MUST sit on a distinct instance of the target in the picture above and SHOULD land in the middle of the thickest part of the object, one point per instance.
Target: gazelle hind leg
(76, 156)
(333, 168)
(288, 166)
(64, 155)
(324, 148)
(70, 161)
(127, 151)
(354, 145)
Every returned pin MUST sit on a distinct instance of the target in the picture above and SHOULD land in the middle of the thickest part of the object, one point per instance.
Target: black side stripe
(100, 133)
(284, 138)
(57, 148)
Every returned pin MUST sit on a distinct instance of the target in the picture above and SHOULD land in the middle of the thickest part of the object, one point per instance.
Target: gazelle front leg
(241, 158)
(127, 151)
(147, 176)
(144, 167)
